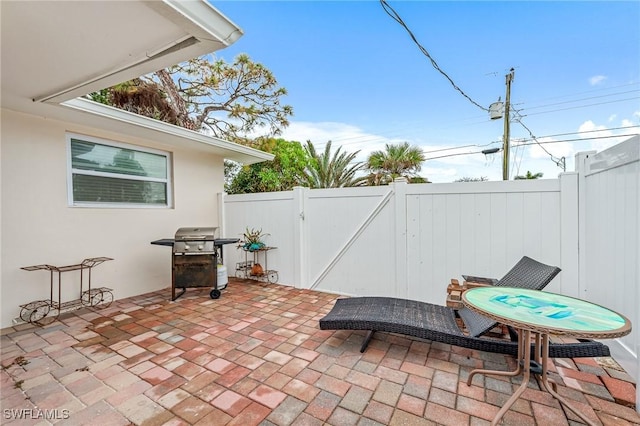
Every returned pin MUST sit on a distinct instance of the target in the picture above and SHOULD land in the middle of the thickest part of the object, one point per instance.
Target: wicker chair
(438, 323)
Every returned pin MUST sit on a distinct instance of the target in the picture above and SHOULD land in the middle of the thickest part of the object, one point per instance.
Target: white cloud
(600, 138)
(449, 173)
(612, 117)
(321, 133)
(591, 129)
(556, 148)
(597, 79)
(449, 168)
(350, 137)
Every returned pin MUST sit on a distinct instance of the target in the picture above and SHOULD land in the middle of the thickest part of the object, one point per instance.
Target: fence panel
(272, 212)
(349, 240)
(352, 235)
(611, 238)
(477, 229)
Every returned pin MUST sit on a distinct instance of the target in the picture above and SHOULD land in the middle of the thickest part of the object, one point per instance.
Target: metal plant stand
(43, 312)
(245, 269)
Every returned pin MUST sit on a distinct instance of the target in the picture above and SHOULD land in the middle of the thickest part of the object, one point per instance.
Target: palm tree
(400, 160)
(529, 175)
(332, 171)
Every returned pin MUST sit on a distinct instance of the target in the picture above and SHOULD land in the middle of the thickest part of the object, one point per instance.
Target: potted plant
(252, 239)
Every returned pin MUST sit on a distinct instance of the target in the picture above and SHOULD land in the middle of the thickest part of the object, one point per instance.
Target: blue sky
(355, 77)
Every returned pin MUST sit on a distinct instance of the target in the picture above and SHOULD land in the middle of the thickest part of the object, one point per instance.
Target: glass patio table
(537, 314)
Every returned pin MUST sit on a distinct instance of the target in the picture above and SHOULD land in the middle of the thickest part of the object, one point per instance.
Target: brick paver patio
(257, 357)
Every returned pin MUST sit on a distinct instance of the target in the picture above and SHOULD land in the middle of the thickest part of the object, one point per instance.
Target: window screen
(112, 174)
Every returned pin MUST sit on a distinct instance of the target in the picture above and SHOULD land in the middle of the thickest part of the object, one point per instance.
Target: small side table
(244, 269)
(43, 312)
(537, 314)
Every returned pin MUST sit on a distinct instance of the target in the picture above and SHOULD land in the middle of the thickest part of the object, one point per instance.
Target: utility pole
(505, 142)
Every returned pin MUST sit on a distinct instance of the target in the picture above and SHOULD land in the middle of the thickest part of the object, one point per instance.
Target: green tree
(418, 179)
(231, 170)
(327, 170)
(402, 160)
(207, 94)
(284, 172)
(530, 175)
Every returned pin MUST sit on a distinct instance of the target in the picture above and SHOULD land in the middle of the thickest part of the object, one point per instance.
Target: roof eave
(173, 135)
(208, 19)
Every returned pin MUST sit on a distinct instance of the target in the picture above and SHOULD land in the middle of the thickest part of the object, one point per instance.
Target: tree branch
(176, 100)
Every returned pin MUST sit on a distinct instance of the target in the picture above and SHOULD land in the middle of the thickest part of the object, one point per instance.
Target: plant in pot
(252, 241)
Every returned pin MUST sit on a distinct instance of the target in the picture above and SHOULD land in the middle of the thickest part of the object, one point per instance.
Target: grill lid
(196, 234)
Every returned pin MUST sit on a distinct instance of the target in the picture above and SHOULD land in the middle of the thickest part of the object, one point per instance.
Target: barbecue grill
(194, 261)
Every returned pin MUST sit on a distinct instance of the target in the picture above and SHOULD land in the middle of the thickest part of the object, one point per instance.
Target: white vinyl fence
(408, 241)
(405, 240)
(610, 241)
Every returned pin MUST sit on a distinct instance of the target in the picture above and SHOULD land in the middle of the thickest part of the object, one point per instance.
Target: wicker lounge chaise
(438, 323)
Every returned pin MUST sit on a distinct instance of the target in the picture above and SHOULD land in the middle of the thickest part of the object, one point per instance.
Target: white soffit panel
(57, 50)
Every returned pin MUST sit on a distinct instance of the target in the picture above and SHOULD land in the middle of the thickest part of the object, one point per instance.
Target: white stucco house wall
(53, 53)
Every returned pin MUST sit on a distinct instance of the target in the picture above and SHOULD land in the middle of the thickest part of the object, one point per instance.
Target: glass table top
(554, 312)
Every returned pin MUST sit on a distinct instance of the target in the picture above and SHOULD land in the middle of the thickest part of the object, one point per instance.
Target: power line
(454, 155)
(393, 14)
(460, 147)
(634, 83)
(582, 106)
(560, 162)
(397, 132)
(582, 99)
(523, 142)
(578, 140)
(585, 132)
(527, 142)
(589, 131)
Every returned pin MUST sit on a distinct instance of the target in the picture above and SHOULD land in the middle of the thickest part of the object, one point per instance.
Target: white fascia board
(187, 138)
(209, 19)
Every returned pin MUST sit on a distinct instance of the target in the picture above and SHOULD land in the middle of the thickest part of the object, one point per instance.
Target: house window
(109, 174)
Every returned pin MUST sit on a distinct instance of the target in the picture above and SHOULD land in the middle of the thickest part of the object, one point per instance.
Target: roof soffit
(56, 51)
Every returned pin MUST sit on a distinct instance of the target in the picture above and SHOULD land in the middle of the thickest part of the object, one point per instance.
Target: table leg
(541, 355)
(524, 339)
(549, 387)
(538, 354)
(515, 372)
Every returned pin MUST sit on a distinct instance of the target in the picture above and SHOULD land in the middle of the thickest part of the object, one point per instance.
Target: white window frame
(71, 171)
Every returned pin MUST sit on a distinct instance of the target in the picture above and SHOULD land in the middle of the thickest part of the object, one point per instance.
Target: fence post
(581, 159)
(221, 215)
(569, 234)
(400, 219)
(300, 277)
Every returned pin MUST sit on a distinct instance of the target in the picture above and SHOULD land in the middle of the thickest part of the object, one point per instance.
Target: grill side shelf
(43, 312)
